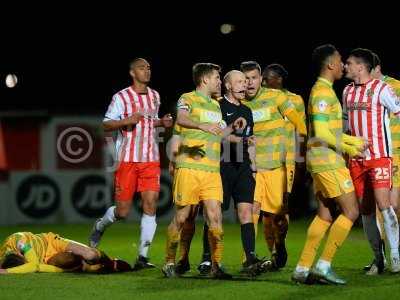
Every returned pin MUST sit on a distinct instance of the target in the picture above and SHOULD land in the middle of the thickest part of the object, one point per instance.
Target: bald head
(233, 75)
(235, 84)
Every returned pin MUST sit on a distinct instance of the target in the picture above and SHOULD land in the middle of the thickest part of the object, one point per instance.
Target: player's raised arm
(117, 117)
(184, 120)
(112, 125)
(286, 107)
(351, 145)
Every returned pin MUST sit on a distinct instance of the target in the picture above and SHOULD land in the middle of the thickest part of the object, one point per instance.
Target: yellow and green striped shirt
(298, 103)
(177, 129)
(21, 242)
(394, 121)
(269, 107)
(324, 106)
(199, 150)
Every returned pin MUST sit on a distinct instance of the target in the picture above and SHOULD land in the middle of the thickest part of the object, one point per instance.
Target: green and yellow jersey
(298, 103)
(36, 248)
(198, 149)
(394, 121)
(324, 106)
(269, 107)
(176, 130)
(21, 242)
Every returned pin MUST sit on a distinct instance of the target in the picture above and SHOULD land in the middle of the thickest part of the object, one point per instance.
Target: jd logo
(91, 196)
(38, 196)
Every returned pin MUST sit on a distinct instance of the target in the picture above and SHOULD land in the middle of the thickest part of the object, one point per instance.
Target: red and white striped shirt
(136, 143)
(367, 107)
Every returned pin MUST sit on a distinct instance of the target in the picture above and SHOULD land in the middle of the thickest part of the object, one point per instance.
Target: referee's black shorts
(238, 183)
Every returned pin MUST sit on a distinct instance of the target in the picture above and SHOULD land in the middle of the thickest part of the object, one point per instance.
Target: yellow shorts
(270, 186)
(191, 186)
(333, 183)
(396, 172)
(290, 170)
(55, 245)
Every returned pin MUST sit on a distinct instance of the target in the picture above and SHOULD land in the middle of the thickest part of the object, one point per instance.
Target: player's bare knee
(122, 211)
(149, 207)
(245, 216)
(352, 214)
(122, 214)
(180, 219)
(149, 210)
(326, 218)
(91, 255)
(214, 221)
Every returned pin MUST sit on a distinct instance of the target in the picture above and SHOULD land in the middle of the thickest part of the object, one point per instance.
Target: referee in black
(238, 165)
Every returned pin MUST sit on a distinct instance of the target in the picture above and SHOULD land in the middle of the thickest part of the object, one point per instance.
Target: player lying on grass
(25, 252)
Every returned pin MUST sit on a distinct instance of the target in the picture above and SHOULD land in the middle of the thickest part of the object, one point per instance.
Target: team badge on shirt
(348, 183)
(370, 93)
(182, 104)
(322, 105)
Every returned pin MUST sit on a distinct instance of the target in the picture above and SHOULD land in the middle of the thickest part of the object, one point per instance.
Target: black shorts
(238, 183)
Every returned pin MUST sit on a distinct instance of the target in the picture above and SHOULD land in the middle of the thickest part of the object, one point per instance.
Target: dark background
(73, 59)
(70, 60)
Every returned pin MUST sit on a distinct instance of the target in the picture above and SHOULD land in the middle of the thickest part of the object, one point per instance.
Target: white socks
(301, 269)
(107, 219)
(323, 264)
(392, 231)
(148, 227)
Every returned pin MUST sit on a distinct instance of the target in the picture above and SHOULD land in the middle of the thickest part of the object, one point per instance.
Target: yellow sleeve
(284, 104)
(322, 132)
(44, 268)
(297, 121)
(353, 140)
(184, 103)
(300, 107)
(31, 256)
(23, 269)
(32, 260)
(177, 130)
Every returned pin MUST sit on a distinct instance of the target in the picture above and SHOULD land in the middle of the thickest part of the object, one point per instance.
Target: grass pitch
(120, 241)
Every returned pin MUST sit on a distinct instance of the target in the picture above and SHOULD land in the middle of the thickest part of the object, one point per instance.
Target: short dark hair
(250, 65)
(134, 61)
(277, 69)
(364, 56)
(12, 260)
(203, 69)
(320, 56)
(377, 60)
